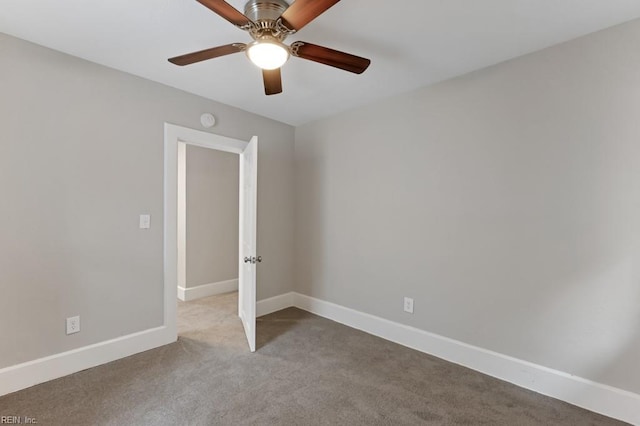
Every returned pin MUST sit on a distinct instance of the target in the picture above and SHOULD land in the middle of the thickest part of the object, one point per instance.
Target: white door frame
(176, 138)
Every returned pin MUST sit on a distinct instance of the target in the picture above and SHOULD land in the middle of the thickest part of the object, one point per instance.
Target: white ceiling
(411, 43)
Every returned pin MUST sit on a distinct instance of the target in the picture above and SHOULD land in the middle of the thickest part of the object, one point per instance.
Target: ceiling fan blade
(272, 81)
(334, 58)
(203, 55)
(301, 12)
(227, 11)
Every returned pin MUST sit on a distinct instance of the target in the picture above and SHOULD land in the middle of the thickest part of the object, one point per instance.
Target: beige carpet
(307, 371)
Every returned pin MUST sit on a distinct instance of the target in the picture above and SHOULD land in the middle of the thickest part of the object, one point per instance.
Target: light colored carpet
(307, 371)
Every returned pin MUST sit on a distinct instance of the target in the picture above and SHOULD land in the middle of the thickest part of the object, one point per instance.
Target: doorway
(176, 140)
(211, 212)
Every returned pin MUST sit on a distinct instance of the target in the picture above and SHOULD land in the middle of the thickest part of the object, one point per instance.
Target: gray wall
(506, 202)
(81, 156)
(212, 215)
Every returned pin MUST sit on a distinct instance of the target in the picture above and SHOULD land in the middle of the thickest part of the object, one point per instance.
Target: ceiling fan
(270, 22)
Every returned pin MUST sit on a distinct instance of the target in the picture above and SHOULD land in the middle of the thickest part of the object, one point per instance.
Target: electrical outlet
(73, 325)
(408, 305)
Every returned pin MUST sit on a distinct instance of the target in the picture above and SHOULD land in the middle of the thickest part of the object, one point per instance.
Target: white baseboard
(206, 290)
(603, 399)
(41, 370)
(597, 397)
(274, 304)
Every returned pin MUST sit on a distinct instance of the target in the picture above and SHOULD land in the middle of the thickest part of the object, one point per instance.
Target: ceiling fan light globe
(268, 55)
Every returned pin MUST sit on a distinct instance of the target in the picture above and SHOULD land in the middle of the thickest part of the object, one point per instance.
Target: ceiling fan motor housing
(265, 12)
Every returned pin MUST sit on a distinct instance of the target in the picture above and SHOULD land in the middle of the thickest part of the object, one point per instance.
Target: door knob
(253, 259)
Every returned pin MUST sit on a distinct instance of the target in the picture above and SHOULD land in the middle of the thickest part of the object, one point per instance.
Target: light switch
(145, 221)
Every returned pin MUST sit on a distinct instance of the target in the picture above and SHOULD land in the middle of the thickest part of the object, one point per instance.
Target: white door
(247, 247)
